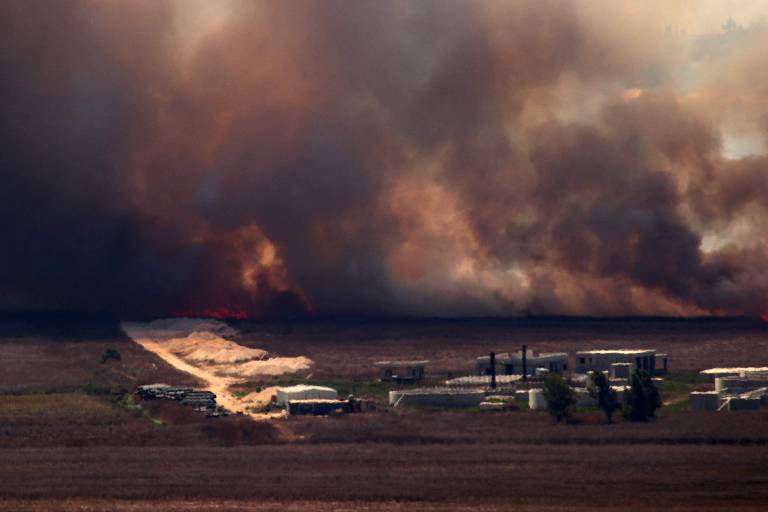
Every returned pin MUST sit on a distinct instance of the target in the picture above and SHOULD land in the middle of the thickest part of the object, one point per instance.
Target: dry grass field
(348, 348)
(72, 439)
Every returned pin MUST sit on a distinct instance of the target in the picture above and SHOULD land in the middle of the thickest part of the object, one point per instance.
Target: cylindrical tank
(536, 399)
(730, 382)
(718, 384)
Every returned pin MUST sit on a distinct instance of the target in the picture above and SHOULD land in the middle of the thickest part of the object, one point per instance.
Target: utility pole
(525, 363)
(493, 370)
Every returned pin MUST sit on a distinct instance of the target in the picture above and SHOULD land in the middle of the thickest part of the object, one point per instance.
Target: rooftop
(317, 401)
(734, 370)
(401, 363)
(303, 387)
(482, 380)
(438, 391)
(626, 352)
(530, 355)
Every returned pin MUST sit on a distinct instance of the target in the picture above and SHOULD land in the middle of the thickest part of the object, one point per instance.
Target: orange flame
(219, 313)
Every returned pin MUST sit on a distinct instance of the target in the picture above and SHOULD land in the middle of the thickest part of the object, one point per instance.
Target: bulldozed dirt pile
(204, 344)
(208, 347)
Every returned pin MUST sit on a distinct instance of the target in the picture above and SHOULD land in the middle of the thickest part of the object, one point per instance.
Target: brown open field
(348, 348)
(70, 439)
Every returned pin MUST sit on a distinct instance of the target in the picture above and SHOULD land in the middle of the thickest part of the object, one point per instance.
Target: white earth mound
(203, 343)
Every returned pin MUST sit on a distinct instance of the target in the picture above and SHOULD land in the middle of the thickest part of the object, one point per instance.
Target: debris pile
(200, 401)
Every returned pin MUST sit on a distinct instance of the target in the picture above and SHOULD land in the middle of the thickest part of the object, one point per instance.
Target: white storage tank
(727, 382)
(536, 400)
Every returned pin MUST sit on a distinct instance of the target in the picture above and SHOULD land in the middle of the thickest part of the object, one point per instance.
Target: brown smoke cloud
(421, 158)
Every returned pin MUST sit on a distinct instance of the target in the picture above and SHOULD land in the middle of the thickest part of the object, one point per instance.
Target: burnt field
(72, 437)
(349, 347)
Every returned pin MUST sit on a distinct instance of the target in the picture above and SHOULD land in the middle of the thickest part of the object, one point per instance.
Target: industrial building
(482, 381)
(735, 389)
(402, 372)
(523, 361)
(602, 360)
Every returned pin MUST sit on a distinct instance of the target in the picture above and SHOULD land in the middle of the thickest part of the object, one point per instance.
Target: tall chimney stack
(525, 363)
(493, 370)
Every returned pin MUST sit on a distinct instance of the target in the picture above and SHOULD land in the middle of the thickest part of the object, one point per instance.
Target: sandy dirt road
(211, 382)
(201, 349)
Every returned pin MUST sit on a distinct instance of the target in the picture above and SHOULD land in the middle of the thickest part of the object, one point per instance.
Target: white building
(401, 371)
(601, 360)
(511, 363)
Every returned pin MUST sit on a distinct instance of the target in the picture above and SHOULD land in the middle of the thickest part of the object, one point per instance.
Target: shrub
(110, 353)
(559, 397)
(642, 398)
(652, 397)
(600, 390)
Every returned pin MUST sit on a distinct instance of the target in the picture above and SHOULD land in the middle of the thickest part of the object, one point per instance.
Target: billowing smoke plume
(436, 157)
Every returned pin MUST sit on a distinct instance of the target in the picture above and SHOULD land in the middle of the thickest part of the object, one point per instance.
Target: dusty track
(218, 363)
(208, 380)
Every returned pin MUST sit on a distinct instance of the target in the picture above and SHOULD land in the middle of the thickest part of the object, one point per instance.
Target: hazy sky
(432, 157)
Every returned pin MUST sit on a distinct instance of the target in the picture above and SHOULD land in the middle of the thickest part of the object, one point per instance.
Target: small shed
(401, 371)
(304, 392)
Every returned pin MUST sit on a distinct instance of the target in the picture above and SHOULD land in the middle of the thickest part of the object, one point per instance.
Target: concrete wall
(435, 398)
(512, 364)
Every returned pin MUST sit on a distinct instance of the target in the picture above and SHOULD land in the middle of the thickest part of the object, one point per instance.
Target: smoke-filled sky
(430, 157)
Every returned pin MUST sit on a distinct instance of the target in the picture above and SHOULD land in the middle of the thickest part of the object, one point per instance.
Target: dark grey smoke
(433, 157)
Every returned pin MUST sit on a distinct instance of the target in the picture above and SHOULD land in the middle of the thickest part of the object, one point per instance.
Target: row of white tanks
(536, 400)
(436, 397)
(443, 397)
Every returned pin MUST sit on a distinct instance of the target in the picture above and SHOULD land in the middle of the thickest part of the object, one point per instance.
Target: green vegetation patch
(55, 405)
(675, 407)
(682, 382)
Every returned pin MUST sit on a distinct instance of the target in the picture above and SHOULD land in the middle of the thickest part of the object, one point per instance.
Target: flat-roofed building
(601, 360)
(401, 371)
(511, 363)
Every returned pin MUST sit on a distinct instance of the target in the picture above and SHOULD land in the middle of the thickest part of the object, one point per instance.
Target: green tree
(652, 396)
(642, 398)
(110, 353)
(559, 396)
(600, 389)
